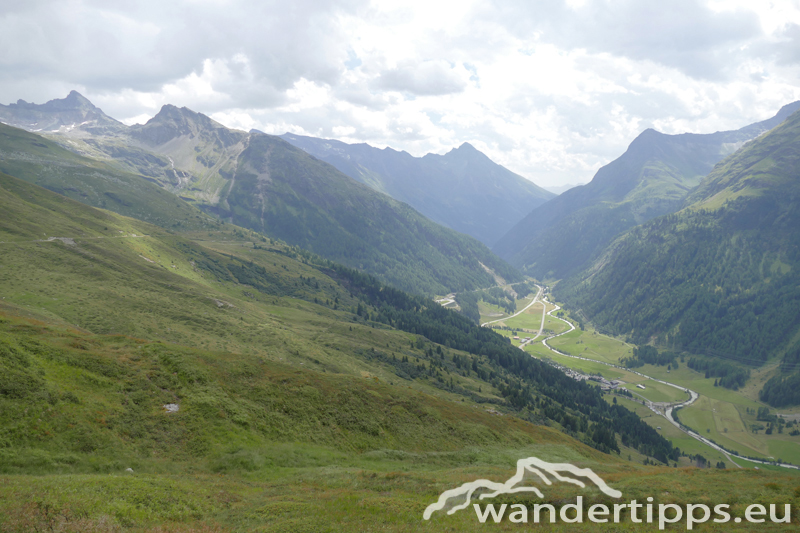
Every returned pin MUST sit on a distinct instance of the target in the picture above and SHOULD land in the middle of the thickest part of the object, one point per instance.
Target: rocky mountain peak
(73, 113)
(172, 122)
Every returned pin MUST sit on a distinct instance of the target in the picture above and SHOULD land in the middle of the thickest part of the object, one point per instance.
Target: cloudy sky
(551, 89)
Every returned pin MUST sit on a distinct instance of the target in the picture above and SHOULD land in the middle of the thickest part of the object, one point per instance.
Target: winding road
(659, 408)
(668, 408)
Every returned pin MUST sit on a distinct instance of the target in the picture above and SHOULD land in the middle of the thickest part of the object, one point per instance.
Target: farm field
(593, 345)
(687, 444)
(489, 311)
(724, 423)
(554, 325)
(530, 320)
(655, 391)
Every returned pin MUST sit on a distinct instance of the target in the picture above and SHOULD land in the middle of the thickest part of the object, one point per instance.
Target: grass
(490, 312)
(656, 392)
(554, 325)
(686, 377)
(728, 424)
(687, 444)
(380, 493)
(154, 287)
(510, 335)
(530, 320)
(593, 345)
(256, 443)
(111, 389)
(286, 421)
(40, 161)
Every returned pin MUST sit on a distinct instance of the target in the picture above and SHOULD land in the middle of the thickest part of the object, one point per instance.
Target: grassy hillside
(258, 445)
(43, 162)
(719, 277)
(79, 402)
(310, 397)
(111, 275)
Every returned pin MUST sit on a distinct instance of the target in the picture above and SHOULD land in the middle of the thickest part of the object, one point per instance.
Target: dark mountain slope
(282, 191)
(650, 179)
(463, 189)
(721, 276)
(264, 183)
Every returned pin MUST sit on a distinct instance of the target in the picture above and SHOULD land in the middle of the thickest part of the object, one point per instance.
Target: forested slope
(652, 178)
(721, 276)
(462, 189)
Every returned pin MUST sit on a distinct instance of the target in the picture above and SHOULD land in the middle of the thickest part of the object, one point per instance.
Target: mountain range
(652, 178)
(73, 113)
(720, 276)
(462, 189)
(263, 183)
(43, 162)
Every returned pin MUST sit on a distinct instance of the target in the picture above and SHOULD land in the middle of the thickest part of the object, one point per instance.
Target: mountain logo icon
(528, 470)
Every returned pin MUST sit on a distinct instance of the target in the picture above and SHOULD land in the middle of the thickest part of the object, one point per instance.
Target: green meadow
(296, 409)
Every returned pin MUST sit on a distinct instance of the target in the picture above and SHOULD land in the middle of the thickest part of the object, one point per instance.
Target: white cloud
(551, 89)
(425, 78)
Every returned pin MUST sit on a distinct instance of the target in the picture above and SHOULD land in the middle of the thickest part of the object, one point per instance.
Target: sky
(550, 89)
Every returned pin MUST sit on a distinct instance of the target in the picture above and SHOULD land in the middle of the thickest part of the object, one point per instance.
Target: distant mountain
(61, 115)
(264, 183)
(722, 275)
(202, 154)
(652, 178)
(463, 189)
(561, 189)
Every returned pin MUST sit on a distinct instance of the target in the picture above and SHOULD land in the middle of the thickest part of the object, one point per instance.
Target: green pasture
(593, 345)
(555, 325)
(490, 312)
(687, 444)
(721, 422)
(655, 391)
(691, 379)
(530, 320)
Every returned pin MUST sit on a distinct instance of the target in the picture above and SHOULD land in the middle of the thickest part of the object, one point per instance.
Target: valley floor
(718, 419)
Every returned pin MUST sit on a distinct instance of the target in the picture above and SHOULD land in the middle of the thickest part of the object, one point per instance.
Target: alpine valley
(205, 329)
(254, 180)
